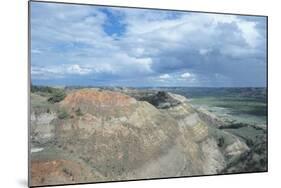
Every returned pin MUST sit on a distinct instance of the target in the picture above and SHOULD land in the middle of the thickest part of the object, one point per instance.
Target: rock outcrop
(118, 137)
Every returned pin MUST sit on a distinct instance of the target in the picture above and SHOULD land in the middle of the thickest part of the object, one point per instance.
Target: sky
(105, 46)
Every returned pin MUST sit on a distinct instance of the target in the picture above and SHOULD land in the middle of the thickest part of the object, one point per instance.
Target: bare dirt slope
(108, 136)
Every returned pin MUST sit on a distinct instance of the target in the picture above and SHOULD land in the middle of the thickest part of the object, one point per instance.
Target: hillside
(100, 135)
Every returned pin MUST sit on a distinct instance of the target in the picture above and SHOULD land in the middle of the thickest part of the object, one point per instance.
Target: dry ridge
(116, 137)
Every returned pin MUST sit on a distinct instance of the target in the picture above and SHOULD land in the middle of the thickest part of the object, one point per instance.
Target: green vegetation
(44, 89)
(39, 104)
(57, 97)
(221, 142)
(62, 114)
(67, 172)
(54, 94)
(78, 112)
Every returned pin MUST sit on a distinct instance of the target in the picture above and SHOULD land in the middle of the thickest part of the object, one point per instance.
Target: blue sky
(103, 46)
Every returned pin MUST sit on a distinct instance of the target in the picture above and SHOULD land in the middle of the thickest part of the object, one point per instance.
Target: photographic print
(122, 93)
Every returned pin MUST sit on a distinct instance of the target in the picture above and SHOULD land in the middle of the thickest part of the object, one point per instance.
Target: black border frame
(147, 8)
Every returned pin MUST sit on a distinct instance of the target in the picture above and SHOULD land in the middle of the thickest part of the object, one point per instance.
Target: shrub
(78, 112)
(67, 172)
(63, 114)
(249, 142)
(221, 142)
(54, 94)
(57, 97)
(45, 89)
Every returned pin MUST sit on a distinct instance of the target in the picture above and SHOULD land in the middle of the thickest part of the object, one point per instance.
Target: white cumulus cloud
(186, 75)
(165, 76)
(77, 69)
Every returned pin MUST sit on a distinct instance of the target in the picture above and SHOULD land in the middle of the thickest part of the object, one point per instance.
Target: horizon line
(96, 86)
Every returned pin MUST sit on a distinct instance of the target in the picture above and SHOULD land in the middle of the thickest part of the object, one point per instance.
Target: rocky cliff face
(109, 136)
